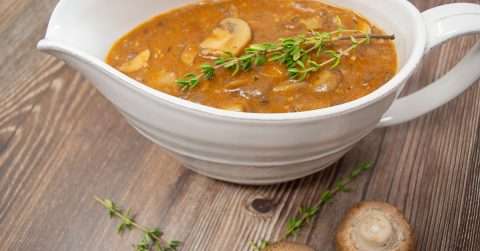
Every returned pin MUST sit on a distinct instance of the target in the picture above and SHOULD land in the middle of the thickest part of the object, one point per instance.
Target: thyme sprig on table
(152, 237)
(295, 53)
(306, 214)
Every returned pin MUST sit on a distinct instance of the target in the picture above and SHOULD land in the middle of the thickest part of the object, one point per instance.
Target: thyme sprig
(152, 237)
(306, 214)
(295, 53)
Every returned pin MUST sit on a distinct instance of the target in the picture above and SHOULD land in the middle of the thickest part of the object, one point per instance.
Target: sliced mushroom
(138, 62)
(313, 23)
(247, 93)
(232, 35)
(288, 246)
(188, 55)
(235, 107)
(374, 226)
(237, 83)
(288, 86)
(302, 7)
(304, 105)
(163, 80)
(166, 78)
(326, 81)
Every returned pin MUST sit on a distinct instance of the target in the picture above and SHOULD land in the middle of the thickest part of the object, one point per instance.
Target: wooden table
(61, 143)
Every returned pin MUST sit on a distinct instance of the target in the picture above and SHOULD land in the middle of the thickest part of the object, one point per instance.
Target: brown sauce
(168, 46)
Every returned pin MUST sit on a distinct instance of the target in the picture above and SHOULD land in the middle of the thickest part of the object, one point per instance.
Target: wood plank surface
(61, 143)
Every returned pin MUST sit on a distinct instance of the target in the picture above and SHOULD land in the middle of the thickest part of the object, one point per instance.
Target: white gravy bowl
(253, 148)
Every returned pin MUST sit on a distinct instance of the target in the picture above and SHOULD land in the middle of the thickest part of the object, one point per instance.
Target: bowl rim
(403, 74)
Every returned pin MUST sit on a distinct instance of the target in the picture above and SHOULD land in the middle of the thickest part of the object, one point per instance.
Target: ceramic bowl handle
(442, 23)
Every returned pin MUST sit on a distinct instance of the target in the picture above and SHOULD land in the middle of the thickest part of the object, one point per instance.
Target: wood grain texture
(61, 143)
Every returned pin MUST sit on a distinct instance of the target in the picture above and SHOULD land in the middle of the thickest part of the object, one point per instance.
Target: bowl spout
(91, 67)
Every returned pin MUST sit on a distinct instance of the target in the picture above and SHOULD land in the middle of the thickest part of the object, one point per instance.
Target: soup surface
(348, 65)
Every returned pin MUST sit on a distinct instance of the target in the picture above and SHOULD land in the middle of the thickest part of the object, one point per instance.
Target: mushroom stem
(374, 230)
(374, 226)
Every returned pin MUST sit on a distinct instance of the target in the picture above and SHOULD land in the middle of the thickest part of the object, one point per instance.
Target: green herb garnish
(152, 237)
(295, 53)
(306, 214)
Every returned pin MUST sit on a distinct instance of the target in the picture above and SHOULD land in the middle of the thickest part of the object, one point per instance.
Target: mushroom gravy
(165, 48)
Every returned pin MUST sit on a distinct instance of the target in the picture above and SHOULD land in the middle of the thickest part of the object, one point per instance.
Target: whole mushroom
(288, 246)
(374, 226)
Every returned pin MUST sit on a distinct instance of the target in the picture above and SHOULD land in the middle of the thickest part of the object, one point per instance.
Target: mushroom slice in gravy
(188, 55)
(232, 35)
(138, 62)
(326, 81)
(289, 86)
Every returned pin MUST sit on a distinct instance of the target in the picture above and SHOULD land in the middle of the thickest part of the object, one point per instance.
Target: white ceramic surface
(262, 148)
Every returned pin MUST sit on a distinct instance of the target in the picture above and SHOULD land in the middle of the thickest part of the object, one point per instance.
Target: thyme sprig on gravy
(295, 53)
(152, 237)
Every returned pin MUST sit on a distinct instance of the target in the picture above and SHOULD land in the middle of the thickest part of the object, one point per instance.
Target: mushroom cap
(232, 36)
(374, 226)
(288, 246)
